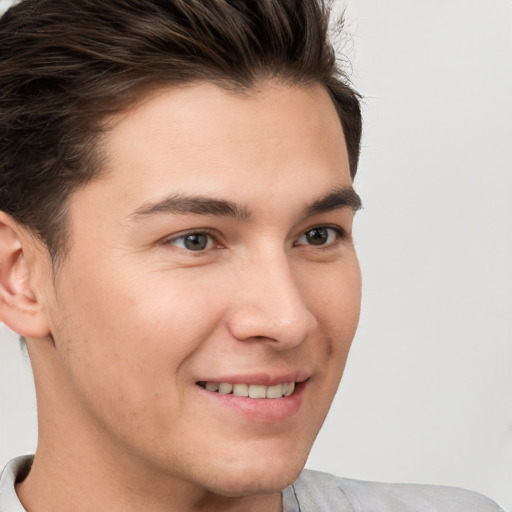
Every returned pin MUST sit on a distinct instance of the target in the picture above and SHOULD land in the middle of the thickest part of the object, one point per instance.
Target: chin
(260, 466)
(261, 476)
(253, 485)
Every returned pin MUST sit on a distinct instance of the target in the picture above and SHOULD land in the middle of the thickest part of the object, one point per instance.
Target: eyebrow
(200, 205)
(341, 197)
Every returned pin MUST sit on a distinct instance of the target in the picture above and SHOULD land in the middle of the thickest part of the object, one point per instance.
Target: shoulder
(323, 492)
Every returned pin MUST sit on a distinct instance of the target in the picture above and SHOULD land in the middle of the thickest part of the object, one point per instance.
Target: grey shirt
(321, 492)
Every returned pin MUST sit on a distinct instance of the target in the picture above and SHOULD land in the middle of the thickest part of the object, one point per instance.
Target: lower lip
(265, 410)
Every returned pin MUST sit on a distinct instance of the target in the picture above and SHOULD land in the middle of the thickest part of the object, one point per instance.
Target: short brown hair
(66, 65)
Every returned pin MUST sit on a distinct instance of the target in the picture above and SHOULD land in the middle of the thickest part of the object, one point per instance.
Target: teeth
(241, 390)
(256, 391)
(225, 388)
(275, 391)
(288, 388)
(251, 390)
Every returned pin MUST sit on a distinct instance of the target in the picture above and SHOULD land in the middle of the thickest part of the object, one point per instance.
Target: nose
(270, 306)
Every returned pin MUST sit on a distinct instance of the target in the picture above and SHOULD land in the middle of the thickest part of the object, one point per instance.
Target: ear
(20, 309)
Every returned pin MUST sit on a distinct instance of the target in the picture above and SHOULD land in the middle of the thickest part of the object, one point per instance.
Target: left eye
(193, 241)
(319, 236)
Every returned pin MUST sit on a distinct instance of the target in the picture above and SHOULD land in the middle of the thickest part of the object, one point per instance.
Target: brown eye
(317, 236)
(321, 235)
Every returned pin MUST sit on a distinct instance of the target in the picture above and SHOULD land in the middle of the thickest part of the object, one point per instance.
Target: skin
(120, 337)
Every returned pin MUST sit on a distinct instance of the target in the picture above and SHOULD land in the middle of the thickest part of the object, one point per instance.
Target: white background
(427, 394)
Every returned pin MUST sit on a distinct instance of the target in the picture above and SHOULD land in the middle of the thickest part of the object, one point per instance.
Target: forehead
(204, 133)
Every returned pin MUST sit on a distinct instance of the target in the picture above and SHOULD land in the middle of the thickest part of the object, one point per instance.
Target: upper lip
(261, 379)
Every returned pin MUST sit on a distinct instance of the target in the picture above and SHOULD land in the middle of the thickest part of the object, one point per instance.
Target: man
(176, 250)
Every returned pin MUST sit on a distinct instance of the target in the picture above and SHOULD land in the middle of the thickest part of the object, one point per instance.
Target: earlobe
(20, 309)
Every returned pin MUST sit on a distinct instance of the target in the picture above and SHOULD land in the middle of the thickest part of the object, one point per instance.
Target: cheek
(336, 305)
(125, 342)
(334, 296)
(135, 327)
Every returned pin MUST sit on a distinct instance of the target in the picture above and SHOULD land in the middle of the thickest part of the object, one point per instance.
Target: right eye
(196, 242)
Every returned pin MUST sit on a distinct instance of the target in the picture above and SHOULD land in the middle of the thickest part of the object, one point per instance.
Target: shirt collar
(9, 501)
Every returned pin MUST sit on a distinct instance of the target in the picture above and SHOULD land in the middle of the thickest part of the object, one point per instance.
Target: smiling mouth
(249, 390)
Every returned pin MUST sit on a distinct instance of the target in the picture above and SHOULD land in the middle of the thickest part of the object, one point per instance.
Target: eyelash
(202, 232)
(339, 234)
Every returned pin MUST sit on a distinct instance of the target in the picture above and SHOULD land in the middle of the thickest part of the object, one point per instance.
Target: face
(213, 259)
